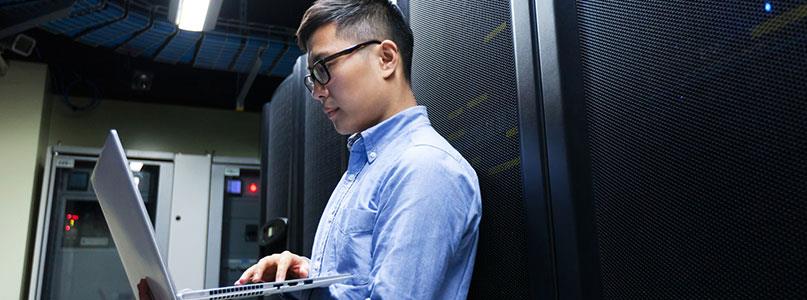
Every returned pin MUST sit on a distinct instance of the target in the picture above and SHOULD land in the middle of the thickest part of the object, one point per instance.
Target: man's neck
(404, 99)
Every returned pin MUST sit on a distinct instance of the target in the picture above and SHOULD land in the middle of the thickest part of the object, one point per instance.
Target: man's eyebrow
(316, 56)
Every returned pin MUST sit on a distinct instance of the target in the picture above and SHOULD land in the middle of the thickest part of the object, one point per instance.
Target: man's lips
(330, 112)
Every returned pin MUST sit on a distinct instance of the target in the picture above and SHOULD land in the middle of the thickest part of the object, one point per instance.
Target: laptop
(132, 232)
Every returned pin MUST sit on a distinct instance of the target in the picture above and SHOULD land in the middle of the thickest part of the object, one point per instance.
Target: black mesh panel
(463, 71)
(325, 156)
(283, 158)
(278, 151)
(697, 116)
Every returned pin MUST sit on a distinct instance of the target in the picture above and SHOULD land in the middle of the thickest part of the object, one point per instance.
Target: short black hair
(360, 20)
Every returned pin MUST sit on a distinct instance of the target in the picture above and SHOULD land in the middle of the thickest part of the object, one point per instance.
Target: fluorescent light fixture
(195, 15)
(136, 166)
(192, 14)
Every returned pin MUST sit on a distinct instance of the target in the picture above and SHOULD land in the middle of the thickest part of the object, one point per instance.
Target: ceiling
(81, 70)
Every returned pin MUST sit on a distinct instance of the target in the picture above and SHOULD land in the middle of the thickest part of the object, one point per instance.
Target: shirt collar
(352, 140)
(376, 138)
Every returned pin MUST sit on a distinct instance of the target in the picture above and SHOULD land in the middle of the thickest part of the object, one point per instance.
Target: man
(404, 218)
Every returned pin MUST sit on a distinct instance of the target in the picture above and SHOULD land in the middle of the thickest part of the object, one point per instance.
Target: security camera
(142, 81)
(23, 45)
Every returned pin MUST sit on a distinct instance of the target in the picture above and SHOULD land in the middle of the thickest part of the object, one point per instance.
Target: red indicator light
(253, 188)
(75, 217)
(67, 228)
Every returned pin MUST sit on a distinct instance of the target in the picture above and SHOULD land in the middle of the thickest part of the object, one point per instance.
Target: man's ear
(388, 58)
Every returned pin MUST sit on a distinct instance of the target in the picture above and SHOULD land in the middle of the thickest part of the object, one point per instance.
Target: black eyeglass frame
(323, 61)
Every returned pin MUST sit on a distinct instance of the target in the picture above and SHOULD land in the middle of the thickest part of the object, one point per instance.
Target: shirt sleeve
(426, 219)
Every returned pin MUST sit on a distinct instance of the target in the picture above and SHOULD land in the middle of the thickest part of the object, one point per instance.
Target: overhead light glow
(191, 14)
(136, 166)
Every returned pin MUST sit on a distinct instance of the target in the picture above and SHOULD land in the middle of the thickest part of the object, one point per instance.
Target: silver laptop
(132, 232)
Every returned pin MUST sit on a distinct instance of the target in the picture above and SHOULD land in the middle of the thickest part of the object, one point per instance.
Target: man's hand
(276, 266)
(143, 290)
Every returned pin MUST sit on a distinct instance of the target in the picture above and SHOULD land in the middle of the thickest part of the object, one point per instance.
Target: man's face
(353, 98)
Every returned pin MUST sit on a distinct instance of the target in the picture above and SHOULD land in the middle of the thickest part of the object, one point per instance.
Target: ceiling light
(195, 15)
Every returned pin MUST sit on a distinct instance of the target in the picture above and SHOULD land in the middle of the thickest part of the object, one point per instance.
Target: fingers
(283, 265)
(279, 264)
(265, 264)
(300, 267)
(245, 277)
(255, 272)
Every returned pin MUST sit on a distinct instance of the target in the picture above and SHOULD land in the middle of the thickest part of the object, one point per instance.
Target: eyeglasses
(318, 71)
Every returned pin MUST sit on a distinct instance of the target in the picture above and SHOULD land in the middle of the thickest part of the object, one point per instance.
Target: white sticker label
(94, 241)
(65, 163)
(232, 172)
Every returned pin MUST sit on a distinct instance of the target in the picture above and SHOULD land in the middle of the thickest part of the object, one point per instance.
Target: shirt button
(351, 177)
(372, 155)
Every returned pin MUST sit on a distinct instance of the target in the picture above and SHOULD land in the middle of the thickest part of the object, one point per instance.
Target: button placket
(329, 223)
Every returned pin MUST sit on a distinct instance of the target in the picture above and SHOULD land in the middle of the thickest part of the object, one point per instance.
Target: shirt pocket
(353, 246)
(355, 221)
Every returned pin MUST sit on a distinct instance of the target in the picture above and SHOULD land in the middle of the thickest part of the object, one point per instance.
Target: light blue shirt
(404, 218)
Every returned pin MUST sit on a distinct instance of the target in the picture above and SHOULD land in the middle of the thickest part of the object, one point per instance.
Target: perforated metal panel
(283, 168)
(325, 157)
(286, 62)
(217, 50)
(464, 73)
(273, 49)
(81, 20)
(117, 32)
(148, 42)
(180, 48)
(247, 55)
(697, 116)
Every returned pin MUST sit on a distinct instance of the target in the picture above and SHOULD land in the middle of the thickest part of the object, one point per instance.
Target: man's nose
(319, 92)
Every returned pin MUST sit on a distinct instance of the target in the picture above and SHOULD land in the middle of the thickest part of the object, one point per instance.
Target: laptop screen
(129, 224)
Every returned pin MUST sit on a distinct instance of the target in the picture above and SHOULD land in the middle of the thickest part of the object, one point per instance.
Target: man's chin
(342, 131)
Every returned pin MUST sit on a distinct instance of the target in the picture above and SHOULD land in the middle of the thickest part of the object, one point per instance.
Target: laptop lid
(131, 229)
(133, 234)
